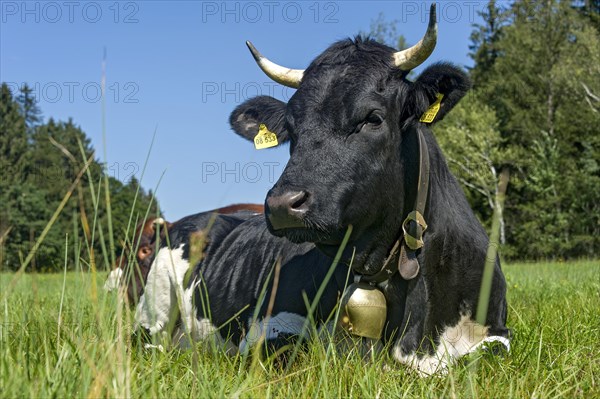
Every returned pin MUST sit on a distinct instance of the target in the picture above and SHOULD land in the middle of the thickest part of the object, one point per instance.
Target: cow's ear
(441, 78)
(247, 117)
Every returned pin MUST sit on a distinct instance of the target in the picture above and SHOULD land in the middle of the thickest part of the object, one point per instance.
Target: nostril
(298, 200)
(288, 209)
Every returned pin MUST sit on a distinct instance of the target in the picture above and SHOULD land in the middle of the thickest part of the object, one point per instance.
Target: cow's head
(352, 128)
(132, 271)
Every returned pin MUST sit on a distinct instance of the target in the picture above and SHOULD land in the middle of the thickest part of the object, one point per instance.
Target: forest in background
(534, 108)
(40, 162)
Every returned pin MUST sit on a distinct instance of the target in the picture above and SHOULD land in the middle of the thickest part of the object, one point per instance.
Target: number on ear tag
(264, 138)
(433, 110)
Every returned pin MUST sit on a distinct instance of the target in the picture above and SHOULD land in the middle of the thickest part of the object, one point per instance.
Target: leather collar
(403, 257)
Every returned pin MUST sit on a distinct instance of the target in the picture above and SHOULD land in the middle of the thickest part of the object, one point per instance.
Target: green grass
(554, 311)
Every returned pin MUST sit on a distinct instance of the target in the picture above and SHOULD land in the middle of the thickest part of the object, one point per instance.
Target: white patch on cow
(496, 338)
(188, 314)
(198, 330)
(113, 280)
(159, 300)
(456, 341)
(283, 322)
(160, 348)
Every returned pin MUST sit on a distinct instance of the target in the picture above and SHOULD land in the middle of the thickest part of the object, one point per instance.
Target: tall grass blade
(492, 252)
(111, 239)
(488, 272)
(62, 293)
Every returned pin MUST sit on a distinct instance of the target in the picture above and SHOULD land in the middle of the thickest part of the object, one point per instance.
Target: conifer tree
(541, 86)
(29, 108)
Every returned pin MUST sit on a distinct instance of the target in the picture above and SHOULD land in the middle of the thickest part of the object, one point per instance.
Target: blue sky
(181, 67)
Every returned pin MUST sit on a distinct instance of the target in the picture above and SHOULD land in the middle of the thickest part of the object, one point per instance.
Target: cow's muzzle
(287, 211)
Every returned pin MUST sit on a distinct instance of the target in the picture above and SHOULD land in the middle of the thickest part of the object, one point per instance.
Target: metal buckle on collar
(413, 232)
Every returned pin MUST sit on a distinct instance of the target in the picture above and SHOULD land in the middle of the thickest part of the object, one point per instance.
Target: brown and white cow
(144, 245)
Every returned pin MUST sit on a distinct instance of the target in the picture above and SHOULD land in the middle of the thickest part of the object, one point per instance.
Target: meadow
(61, 335)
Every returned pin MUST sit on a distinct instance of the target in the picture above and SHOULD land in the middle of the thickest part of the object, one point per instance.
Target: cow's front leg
(414, 345)
(421, 344)
(433, 336)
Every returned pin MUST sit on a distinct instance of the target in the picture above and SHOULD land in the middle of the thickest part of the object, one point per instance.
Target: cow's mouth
(359, 252)
(304, 234)
(328, 242)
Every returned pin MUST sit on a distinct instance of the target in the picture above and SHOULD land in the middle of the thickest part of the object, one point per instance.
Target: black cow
(357, 145)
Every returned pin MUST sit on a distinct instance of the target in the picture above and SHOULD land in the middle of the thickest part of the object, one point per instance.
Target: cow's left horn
(285, 76)
(414, 56)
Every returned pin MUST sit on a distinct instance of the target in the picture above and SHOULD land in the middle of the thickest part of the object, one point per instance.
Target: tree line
(40, 161)
(536, 96)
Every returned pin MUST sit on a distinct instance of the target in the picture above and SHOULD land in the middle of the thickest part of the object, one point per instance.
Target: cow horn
(285, 76)
(414, 56)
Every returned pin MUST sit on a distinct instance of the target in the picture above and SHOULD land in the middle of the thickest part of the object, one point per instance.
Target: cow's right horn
(414, 56)
(285, 76)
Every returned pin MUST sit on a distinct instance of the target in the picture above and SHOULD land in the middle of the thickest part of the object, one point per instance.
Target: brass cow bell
(364, 310)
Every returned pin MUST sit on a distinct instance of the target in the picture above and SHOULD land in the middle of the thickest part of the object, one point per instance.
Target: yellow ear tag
(264, 138)
(432, 111)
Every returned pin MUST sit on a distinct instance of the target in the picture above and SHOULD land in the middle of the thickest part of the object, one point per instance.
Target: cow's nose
(288, 209)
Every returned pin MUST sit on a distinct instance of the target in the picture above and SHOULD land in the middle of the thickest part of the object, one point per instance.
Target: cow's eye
(375, 119)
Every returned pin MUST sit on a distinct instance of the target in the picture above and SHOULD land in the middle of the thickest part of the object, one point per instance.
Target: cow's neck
(407, 241)
(449, 216)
